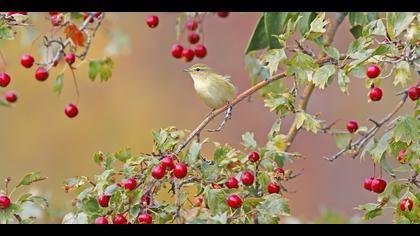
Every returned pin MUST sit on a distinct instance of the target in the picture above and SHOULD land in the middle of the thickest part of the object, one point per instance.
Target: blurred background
(149, 90)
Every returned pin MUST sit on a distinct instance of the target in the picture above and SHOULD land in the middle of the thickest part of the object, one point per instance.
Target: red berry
(97, 14)
(152, 21)
(71, 110)
(4, 202)
(4, 79)
(180, 170)
(406, 204)
(145, 200)
(199, 201)
(27, 61)
(187, 54)
(101, 221)
(352, 126)
(223, 14)
(158, 172)
(378, 185)
(401, 157)
(414, 93)
(193, 37)
(167, 163)
(373, 71)
(145, 219)
(130, 184)
(191, 25)
(234, 201)
(375, 94)
(56, 20)
(367, 184)
(177, 51)
(119, 220)
(41, 74)
(232, 183)
(247, 178)
(11, 97)
(53, 13)
(200, 51)
(273, 188)
(103, 200)
(254, 157)
(279, 170)
(70, 58)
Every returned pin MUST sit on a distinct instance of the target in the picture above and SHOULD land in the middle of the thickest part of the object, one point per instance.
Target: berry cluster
(5, 79)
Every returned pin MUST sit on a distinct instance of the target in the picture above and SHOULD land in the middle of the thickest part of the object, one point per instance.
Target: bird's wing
(227, 78)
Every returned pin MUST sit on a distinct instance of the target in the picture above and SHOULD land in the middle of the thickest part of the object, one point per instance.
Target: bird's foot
(228, 116)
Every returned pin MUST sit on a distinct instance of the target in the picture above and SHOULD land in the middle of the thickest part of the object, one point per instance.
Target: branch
(293, 131)
(360, 143)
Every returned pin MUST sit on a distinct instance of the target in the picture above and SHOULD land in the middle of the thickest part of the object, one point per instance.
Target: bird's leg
(228, 116)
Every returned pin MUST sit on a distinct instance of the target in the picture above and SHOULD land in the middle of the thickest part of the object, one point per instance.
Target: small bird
(214, 89)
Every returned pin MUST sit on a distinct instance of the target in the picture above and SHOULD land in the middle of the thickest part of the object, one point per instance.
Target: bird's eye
(198, 69)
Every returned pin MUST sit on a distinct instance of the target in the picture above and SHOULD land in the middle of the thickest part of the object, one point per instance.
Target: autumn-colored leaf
(77, 36)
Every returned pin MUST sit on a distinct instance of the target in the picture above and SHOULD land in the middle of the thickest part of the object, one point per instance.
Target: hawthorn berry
(158, 172)
(352, 126)
(223, 14)
(191, 25)
(119, 220)
(103, 200)
(41, 74)
(247, 178)
(180, 170)
(70, 58)
(232, 183)
(167, 163)
(401, 157)
(193, 37)
(71, 111)
(367, 183)
(199, 201)
(187, 54)
(4, 202)
(4, 79)
(101, 221)
(375, 94)
(373, 71)
(279, 170)
(406, 204)
(145, 200)
(145, 219)
(273, 188)
(254, 157)
(152, 21)
(86, 16)
(130, 184)
(414, 93)
(27, 61)
(234, 201)
(200, 51)
(177, 50)
(11, 97)
(56, 20)
(378, 185)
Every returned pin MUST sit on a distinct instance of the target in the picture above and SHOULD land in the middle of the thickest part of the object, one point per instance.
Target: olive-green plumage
(214, 89)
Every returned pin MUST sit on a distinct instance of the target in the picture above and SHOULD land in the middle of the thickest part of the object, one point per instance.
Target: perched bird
(214, 89)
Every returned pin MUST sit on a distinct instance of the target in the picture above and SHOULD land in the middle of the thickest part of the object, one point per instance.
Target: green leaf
(103, 67)
(7, 33)
(259, 39)
(305, 23)
(255, 68)
(402, 74)
(280, 103)
(406, 129)
(76, 218)
(381, 147)
(275, 128)
(342, 140)
(193, 154)
(123, 155)
(376, 27)
(274, 205)
(272, 58)
(332, 52)
(322, 75)
(58, 84)
(248, 141)
(31, 178)
(317, 27)
(216, 200)
(4, 103)
(302, 66)
(397, 22)
(343, 81)
(371, 210)
(307, 121)
(356, 31)
(358, 18)
(274, 23)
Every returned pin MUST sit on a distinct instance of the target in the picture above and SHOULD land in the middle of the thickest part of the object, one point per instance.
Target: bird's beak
(187, 70)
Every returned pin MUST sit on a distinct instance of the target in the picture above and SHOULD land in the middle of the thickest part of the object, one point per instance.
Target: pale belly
(215, 94)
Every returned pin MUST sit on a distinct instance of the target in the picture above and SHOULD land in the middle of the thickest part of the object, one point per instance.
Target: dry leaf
(77, 36)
